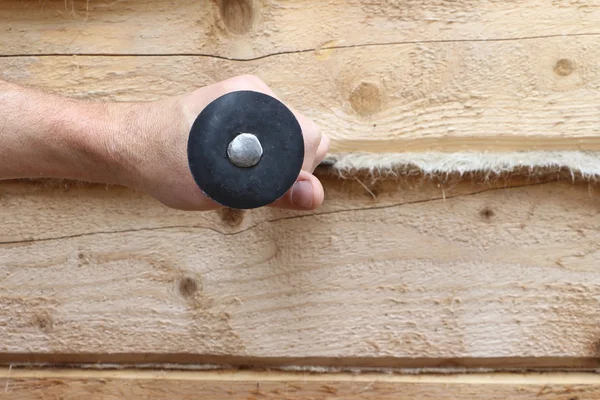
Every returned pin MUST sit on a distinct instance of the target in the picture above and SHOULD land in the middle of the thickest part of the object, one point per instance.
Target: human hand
(157, 160)
(140, 145)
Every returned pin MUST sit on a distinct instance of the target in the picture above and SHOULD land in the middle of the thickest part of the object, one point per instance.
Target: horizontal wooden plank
(43, 384)
(51, 209)
(534, 94)
(423, 271)
(245, 29)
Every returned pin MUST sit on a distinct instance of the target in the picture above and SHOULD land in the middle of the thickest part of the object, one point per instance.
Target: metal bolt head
(245, 150)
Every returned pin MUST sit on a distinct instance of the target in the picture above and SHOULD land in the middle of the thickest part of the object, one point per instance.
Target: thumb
(306, 194)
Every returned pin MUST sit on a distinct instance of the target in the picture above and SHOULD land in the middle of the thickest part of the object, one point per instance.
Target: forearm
(43, 135)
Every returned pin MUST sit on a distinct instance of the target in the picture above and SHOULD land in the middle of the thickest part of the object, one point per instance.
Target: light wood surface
(244, 29)
(425, 274)
(386, 274)
(376, 76)
(541, 94)
(76, 384)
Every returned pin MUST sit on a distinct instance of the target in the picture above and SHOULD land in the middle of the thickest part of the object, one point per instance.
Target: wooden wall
(376, 75)
(402, 273)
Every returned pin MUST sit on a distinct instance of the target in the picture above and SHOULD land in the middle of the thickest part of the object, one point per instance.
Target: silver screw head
(244, 150)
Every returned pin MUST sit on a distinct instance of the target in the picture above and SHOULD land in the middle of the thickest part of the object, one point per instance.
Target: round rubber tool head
(222, 121)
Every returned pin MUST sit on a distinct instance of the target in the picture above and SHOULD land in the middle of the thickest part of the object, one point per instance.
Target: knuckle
(250, 80)
(245, 82)
(318, 132)
(324, 147)
(317, 136)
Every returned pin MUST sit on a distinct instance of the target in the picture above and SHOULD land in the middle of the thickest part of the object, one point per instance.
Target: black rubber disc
(276, 128)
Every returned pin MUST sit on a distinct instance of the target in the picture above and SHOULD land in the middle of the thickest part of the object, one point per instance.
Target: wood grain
(74, 384)
(538, 94)
(397, 274)
(449, 272)
(245, 29)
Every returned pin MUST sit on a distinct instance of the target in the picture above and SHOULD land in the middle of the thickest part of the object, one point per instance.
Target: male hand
(164, 173)
(140, 145)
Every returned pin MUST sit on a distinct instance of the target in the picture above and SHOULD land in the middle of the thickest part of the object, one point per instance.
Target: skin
(139, 145)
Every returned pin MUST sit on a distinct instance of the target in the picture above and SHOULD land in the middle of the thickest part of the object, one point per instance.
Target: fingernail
(302, 194)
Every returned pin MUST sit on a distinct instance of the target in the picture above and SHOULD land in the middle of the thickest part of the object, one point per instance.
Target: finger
(312, 139)
(321, 151)
(306, 194)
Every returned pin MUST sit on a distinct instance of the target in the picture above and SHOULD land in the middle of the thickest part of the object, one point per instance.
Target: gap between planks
(311, 364)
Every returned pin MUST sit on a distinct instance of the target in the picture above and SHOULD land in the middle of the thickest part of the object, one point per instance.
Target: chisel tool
(245, 150)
